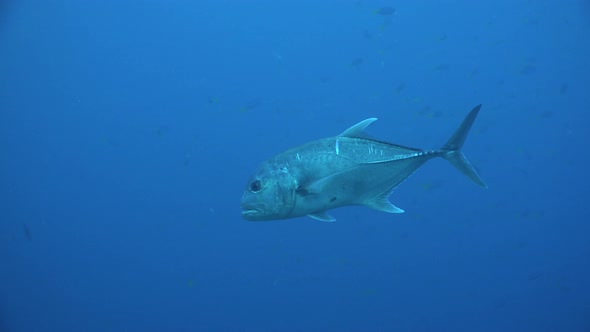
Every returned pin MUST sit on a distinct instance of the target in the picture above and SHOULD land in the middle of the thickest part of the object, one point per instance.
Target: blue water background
(128, 130)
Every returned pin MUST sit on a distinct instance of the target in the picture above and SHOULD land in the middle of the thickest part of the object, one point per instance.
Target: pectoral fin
(322, 216)
(320, 185)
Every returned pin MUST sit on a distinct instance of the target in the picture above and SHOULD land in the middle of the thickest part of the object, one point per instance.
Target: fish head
(269, 194)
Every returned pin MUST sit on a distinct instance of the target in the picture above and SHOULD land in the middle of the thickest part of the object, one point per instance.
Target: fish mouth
(250, 213)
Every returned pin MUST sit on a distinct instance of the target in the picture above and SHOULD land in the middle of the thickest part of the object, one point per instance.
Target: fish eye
(255, 186)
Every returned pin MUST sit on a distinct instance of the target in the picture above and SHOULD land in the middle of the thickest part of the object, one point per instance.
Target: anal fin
(322, 216)
(381, 203)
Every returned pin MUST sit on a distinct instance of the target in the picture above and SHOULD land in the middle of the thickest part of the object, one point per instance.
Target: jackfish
(349, 169)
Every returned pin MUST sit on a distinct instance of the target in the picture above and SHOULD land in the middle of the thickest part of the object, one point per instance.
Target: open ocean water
(129, 129)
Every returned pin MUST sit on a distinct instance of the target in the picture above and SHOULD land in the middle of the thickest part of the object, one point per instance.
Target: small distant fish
(527, 69)
(563, 88)
(161, 131)
(474, 72)
(386, 11)
(535, 275)
(251, 104)
(27, 232)
(441, 67)
(356, 62)
(348, 169)
(368, 36)
(545, 114)
(400, 87)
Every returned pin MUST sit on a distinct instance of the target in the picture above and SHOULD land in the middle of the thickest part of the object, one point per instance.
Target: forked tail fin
(451, 151)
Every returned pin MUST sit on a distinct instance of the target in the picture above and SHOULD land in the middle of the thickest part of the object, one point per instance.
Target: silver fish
(349, 169)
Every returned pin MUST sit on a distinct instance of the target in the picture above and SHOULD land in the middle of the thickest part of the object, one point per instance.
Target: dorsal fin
(357, 129)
